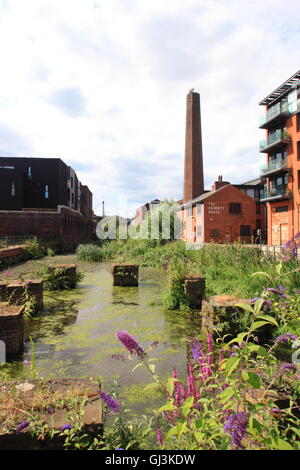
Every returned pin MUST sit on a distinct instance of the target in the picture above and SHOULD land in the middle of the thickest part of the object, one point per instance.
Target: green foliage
(161, 224)
(57, 279)
(32, 250)
(173, 297)
(89, 253)
(221, 386)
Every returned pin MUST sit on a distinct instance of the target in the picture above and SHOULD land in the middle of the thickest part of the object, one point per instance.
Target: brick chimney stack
(193, 162)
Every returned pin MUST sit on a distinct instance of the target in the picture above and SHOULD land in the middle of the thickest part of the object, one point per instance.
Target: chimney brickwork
(193, 164)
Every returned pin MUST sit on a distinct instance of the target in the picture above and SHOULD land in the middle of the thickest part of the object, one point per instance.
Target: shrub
(89, 253)
(56, 279)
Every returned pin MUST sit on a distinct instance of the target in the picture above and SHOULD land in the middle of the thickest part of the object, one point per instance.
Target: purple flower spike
(196, 349)
(288, 366)
(65, 427)
(236, 427)
(160, 437)
(285, 338)
(111, 402)
(22, 426)
(130, 343)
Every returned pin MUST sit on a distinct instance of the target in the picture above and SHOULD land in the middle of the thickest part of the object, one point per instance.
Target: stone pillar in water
(194, 288)
(126, 275)
(12, 328)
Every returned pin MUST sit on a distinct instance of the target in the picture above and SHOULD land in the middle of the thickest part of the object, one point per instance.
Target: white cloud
(103, 83)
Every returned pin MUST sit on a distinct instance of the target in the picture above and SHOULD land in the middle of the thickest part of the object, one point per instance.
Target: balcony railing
(281, 192)
(274, 165)
(276, 111)
(275, 138)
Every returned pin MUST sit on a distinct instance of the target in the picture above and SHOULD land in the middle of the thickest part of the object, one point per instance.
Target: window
(13, 189)
(298, 122)
(298, 150)
(281, 209)
(298, 175)
(214, 233)
(199, 209)
(72, 182)
(29, 174)
(199, 230)
(46, 191)
(190, 211)
(245, 230)
(235, 208)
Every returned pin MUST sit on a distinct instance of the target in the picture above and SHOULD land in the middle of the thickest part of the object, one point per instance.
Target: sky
(102, 85)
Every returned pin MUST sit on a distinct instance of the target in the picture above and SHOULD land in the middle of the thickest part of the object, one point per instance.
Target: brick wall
(12, 328)
(65, 224)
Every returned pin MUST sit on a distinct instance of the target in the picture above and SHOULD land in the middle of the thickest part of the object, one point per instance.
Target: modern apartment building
(281, 174)
(43, 197)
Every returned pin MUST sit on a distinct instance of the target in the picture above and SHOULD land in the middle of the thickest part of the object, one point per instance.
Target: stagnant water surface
(76, 334)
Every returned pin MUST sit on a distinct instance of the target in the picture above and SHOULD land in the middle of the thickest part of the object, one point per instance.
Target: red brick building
(225, 214)
(281, 174)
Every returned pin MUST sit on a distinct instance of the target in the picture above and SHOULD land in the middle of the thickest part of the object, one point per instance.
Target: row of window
(13, 190)
(234, 208)
(245, 231)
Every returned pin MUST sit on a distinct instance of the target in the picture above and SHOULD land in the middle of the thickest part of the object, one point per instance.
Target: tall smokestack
(193, 161)
(103, 211)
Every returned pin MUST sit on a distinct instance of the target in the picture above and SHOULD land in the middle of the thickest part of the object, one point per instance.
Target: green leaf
(198, 435)
(258, 324)
(269, 319)
(259, 349)
(188, 403)
(260, 273)
(284, 445)
(226, 394)
(252, 378)
(239, 339)
(279, 268)
(152, 368)
(258, 305)
(171, 432)
(170, 385)
(181, 428)
(231, 364)
(245, 307)
(168, 407)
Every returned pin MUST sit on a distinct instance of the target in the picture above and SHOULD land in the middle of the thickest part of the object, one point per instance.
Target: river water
(75, 336)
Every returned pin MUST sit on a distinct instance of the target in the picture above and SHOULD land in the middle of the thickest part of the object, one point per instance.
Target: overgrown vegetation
(57, 278)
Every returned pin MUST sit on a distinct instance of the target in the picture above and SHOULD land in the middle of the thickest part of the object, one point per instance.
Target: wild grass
(227, 268)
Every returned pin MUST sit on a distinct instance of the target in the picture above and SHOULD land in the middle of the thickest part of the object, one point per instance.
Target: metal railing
(273, 138)
(279, 191)
(15, 241)
(274, 165)
(274, 111)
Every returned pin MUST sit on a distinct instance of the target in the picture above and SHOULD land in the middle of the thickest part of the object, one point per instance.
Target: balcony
(277, 114)
(275, 166)
(281, 192)
(274, 140)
